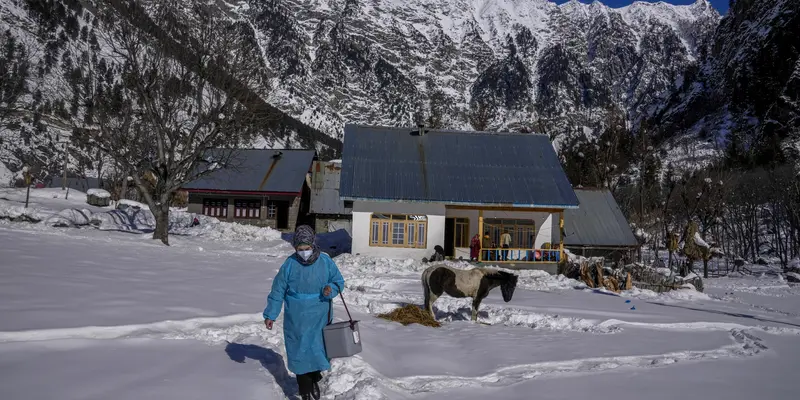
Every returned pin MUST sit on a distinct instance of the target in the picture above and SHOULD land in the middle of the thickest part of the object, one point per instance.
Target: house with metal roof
(264, 187)
(598, 228)
(413, 189)
(329, 211)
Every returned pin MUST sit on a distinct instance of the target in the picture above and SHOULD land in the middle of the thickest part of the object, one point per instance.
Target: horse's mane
(495, 274)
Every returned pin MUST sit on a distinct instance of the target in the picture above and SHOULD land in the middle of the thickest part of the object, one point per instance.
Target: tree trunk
(705, 268)
(670, 261)
(162, 224)
(99, 170)
(124, 193)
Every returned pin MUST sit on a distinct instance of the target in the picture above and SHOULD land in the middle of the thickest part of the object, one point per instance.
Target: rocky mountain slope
(527, 65)
(746, 93)
(512, 61)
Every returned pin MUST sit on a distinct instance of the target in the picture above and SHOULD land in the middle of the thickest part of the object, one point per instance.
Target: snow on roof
(101, 193)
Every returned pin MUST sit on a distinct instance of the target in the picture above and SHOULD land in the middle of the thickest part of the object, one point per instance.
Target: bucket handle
(330, 309)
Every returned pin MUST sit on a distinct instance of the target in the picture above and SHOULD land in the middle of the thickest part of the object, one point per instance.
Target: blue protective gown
(299, 288)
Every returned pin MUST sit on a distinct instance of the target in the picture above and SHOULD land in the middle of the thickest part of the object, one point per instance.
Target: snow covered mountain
(507, 62)
(526, 65)
(746, 93)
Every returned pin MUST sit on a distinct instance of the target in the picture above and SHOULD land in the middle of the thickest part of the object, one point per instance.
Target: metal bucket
(342, 339)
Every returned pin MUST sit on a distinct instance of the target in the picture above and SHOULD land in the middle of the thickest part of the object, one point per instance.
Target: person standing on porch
(475, 247)
(505, 242)
(487, 244)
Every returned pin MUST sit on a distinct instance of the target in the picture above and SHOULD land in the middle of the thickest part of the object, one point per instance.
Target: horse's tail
(426, 290)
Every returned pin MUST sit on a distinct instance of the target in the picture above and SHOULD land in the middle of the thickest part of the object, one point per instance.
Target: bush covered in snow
(21, 214)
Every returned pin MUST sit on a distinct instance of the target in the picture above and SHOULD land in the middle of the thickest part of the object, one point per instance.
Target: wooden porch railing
(521, 255)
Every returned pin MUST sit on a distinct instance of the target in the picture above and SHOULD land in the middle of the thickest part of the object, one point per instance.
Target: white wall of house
(546, 225)
(362, 214)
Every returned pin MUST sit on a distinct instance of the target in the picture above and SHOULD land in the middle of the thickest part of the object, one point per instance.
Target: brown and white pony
(460, 283)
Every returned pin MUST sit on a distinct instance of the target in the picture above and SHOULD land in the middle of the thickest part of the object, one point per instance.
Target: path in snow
(764, 376)
(245, 338)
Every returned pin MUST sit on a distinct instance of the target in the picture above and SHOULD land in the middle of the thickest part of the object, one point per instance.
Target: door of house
(449, 237)
(283, 215)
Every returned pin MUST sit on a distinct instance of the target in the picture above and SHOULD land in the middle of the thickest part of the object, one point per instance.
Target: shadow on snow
(269, 359)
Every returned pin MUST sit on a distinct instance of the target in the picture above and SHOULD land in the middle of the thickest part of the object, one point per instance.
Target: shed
(329, 211)
(98, 197)
(598, 227)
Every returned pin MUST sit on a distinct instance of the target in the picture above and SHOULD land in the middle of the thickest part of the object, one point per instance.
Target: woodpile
(596, 275)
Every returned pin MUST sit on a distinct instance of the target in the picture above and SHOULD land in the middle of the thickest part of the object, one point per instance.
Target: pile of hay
(410, 314)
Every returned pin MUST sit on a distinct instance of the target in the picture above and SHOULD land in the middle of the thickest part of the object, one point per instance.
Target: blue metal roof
(252, 170)
(453, 167)
(599, 222)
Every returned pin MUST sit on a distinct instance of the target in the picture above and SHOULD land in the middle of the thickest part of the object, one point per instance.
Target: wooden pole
(64, 178)
(561, 235)
(480, 233)
(28, 185)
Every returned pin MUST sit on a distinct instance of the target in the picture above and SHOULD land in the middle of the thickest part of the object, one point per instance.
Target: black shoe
(306, 396)
(315, 391)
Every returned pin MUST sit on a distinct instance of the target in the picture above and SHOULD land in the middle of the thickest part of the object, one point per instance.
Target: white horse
(460, 283)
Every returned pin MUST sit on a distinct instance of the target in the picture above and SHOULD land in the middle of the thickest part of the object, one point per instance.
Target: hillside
(746, 94)
(523, 65)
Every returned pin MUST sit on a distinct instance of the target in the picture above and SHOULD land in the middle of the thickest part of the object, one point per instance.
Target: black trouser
(306, 381)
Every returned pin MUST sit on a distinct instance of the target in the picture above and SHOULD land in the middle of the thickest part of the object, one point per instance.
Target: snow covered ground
(96, 314)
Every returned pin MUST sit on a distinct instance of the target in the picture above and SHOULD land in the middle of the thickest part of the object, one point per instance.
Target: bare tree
(438, 108)
(178, 111)
(481, 114)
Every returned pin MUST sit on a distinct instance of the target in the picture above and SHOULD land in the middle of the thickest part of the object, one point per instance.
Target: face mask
(305, 254)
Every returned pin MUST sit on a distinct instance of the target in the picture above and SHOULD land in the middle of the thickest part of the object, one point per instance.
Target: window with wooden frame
(462, 238)
(272, 210)
(522, 231)
(397, 230)
(247, 208)
(215, 208)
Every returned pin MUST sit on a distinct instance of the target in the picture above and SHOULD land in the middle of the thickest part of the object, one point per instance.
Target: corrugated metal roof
(325, 177)
(454, 167)
(252, 170)
(598, 222)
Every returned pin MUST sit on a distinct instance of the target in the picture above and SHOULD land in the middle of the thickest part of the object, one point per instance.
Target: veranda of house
(535, 234)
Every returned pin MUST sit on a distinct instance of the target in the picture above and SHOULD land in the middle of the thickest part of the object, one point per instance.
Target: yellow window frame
(462, 228)
(385, 230)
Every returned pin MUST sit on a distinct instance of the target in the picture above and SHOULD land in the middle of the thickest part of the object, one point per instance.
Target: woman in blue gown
(305, 285)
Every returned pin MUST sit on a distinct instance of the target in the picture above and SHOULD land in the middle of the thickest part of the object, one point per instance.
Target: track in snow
(353, 378)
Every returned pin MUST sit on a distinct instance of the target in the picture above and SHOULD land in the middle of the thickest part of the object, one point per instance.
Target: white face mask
(305, 254)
